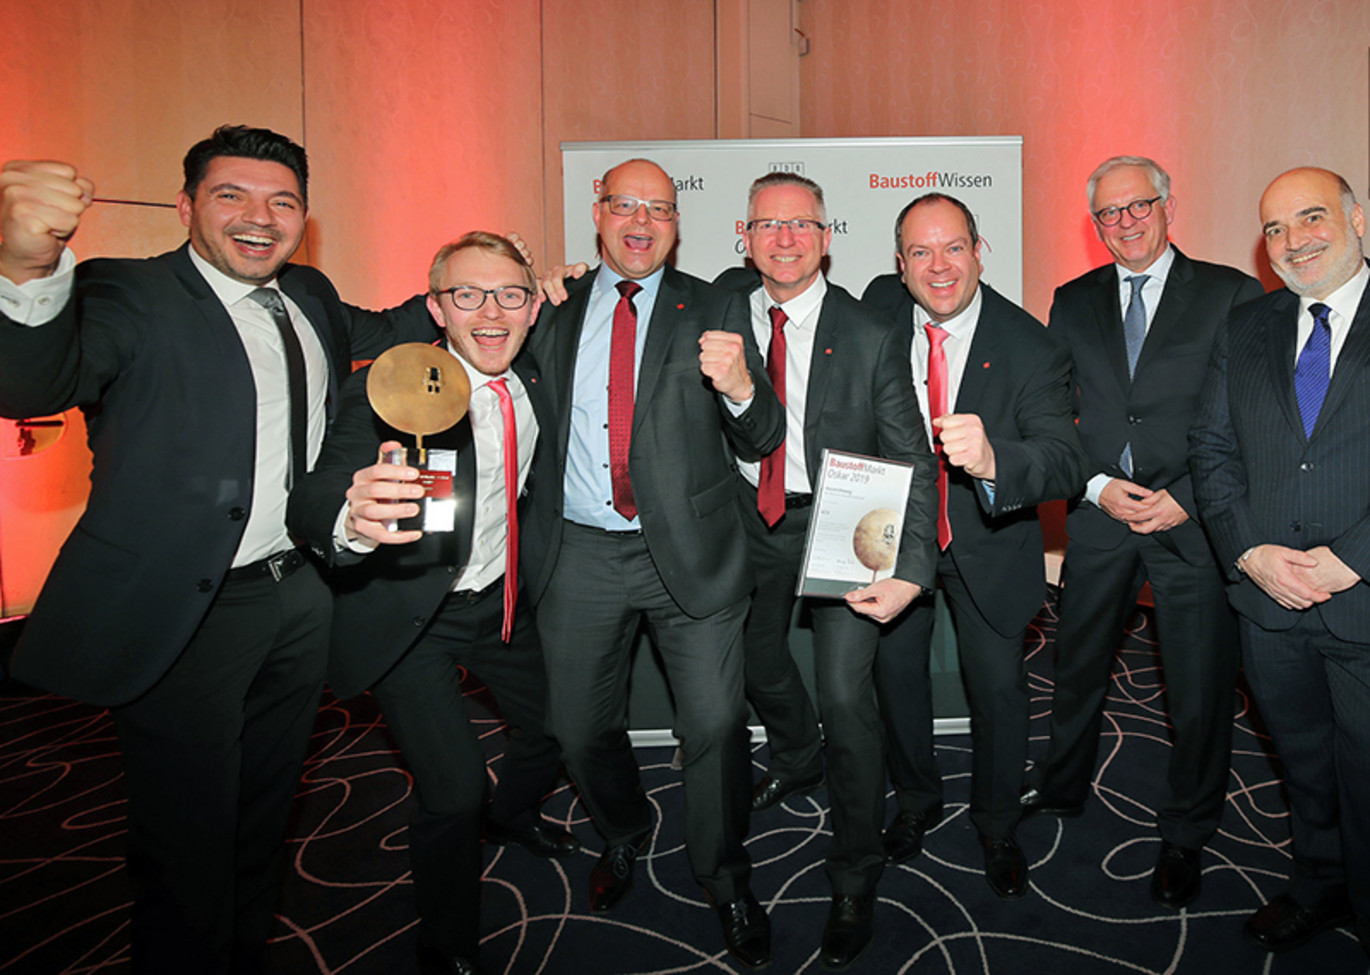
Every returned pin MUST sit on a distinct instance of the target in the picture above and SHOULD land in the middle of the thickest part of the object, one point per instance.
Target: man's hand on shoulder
(884, 600)
(380, 494)
(40, 207)
(553, 283)
(723, 360)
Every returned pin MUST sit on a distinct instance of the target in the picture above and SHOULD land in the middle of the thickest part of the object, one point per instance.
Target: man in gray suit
(634, 519)
(1280, 453)
(842, 372)
(1139, 331)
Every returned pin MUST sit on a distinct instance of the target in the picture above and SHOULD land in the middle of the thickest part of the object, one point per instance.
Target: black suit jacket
(1153, 409)
(152, 355)
(1257, 479)
(1017, 380)
(680, 459)
(384, 600)
(860, 399)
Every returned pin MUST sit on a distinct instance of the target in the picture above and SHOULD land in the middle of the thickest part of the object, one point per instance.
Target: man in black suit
(635, 518)
(846, 385)
(1280, 452)
(179, 600)
(1139, 332)
(1006, 439)
(413, 610)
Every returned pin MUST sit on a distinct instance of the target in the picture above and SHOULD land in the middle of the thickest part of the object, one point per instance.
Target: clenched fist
(40, 206)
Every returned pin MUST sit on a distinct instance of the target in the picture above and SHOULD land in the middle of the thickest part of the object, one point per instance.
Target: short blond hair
(481, 240)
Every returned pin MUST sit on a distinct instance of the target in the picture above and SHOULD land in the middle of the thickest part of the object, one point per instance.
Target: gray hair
(1160, 179)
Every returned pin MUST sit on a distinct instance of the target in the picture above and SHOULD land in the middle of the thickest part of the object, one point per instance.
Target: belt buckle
(274, 564)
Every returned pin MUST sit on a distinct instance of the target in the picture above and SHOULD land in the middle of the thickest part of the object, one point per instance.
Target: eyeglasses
(627, 206)
(1139, 209)
(511, 297)
(797, 227)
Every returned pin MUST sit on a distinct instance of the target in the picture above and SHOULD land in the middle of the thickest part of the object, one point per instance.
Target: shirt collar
(800, 309)
(1156, 273)
(607, 279)
(961, 325)
(228, 290)
(1346, 299)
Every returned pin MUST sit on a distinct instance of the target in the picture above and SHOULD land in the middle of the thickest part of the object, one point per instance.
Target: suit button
(418, 621)
(205, 585)
(1296, 526)
(451, 570)
(1134, 420)
(1307, 466)
(236, 514)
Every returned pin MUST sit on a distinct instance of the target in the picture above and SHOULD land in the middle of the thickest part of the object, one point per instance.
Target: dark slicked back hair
(246, 143)
(933, 198)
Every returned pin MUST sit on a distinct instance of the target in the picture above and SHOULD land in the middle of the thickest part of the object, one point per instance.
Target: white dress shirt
(802, 311)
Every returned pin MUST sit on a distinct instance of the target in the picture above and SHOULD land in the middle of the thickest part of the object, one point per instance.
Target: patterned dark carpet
(347, 908)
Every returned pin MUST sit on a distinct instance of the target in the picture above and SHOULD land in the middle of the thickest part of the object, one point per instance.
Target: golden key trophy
(422, 389)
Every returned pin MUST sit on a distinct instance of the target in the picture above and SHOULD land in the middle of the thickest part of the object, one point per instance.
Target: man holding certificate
(843, 374)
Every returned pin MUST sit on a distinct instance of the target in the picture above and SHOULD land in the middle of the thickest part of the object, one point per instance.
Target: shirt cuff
(737, 409)
(37, 301)
(341, 543)
(1094, 488)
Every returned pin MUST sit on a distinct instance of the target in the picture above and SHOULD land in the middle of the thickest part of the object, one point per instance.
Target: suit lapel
(669, 309)
(318, 319)
(566, 328)
(1178, 292)
(1352, 361)
(1108, 319)
(1280, 334)
(219, 339)
(820, 373)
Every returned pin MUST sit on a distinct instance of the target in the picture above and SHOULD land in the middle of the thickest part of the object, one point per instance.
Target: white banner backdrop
(866, 182)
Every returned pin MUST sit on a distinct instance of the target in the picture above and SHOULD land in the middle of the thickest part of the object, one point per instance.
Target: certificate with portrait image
(857, 523)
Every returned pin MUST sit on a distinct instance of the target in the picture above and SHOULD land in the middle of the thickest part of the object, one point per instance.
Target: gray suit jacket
(681, 458)
(860, 399)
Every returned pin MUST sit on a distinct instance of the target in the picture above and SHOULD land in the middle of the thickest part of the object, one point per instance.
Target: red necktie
(622, 355)
(770, 492)
(937, 406)
(511, 505)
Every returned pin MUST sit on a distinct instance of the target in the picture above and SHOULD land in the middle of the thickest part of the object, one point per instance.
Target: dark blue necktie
(1313, 370)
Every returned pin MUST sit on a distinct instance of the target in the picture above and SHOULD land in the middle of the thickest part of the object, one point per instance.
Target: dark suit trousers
(212, 755)
(424, 706)
(995, 675)
(1313, 691)
(1198, 642)
(603, 586)
(844, 665)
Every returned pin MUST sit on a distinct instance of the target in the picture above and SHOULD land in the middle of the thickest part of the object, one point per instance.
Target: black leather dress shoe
(612, 876)
(432, 962)
(1034, 802)
(746, 931)
(851, 925)
(1285, 923)
(903, 839)
(541, 839)
(1176, 880)
(773, 790)
(1006, 868)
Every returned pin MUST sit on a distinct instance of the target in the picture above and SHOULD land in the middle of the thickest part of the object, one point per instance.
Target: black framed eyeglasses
(1140, 210)
(799, 227)
(625, 206)
(511, 297)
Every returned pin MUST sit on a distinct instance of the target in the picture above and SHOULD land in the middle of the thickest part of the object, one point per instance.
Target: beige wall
(1224, 95)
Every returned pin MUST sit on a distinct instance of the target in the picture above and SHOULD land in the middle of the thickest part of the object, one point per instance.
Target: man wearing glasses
(1139, 331)
(413, 610)
(842, 373)
(635, 520)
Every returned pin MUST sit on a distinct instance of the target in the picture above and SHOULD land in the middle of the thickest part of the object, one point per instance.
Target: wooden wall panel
(1225, 96)
(423, 122)
(622, 69)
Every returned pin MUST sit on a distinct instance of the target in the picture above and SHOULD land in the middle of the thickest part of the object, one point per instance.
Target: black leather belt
(793, 501)
(476, 595)
(276, 566)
